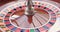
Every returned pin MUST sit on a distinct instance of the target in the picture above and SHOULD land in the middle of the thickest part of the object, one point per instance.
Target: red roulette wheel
(29, 16)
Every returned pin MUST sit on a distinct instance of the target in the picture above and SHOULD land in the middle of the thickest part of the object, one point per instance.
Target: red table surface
(2, 2)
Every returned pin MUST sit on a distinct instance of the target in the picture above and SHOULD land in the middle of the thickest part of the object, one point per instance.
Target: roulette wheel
(30, 16)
